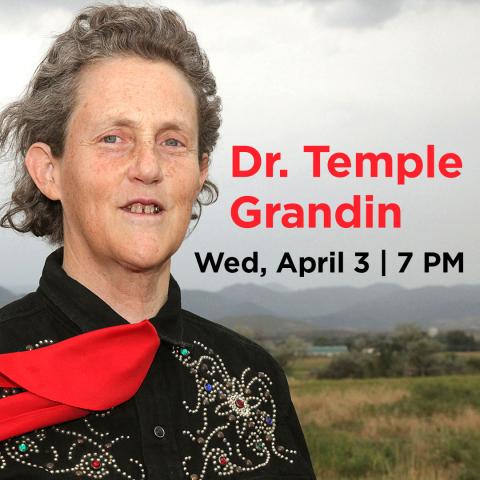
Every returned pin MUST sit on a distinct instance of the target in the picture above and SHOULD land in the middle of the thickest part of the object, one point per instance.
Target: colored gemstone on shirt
(269, 420)
(23, 447)
(208, 387)
(259, 445)
(239, 403)
(184, 351)
(96, 463)
(223, 460)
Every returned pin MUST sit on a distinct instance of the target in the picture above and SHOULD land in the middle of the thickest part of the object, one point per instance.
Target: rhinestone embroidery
(89, 454)
(237, 416)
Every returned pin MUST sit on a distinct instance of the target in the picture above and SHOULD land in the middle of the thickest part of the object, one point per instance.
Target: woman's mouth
(140, 208)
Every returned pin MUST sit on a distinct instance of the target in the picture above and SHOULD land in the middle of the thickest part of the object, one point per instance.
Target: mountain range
(378, 307)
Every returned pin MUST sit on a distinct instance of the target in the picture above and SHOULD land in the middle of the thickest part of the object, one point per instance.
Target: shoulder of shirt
(236, 340)
(25, 306)
(230, 334)
(16, 319)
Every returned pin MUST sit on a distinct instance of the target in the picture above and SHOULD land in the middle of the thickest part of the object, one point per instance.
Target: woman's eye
(110, 138)
(173, 142)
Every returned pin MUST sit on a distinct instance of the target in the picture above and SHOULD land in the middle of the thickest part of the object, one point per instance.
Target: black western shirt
(214, 405)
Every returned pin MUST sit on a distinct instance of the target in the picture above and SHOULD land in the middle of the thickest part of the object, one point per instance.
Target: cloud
(341, 13)
(384, 76)
(19, 10)
(357, 14)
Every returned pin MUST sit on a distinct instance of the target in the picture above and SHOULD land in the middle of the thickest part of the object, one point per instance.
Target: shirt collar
(72, 299)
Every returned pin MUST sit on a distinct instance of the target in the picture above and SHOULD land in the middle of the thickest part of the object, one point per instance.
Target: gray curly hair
(42, 113)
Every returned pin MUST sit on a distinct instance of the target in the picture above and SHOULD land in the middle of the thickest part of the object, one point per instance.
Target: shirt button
(159, 431)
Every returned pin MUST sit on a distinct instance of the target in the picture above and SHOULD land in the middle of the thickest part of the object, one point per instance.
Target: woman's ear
(203, 171)
(44, 169)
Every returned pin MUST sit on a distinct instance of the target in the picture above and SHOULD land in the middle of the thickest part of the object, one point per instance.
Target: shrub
(346, 365)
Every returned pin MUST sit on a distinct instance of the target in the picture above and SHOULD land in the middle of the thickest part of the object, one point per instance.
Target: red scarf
(67, 380)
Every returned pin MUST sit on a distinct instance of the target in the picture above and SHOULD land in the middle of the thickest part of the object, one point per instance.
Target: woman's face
(133, 135)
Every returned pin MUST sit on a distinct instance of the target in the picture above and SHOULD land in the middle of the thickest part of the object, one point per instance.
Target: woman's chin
(143, 256)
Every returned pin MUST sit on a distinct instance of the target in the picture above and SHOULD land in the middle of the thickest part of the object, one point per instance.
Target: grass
(423, 428)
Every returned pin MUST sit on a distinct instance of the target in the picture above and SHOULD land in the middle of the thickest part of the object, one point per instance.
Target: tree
(389, 351)
(322, 340)
(418, 349)
(459, 341)
(345, 365)
(358, 342)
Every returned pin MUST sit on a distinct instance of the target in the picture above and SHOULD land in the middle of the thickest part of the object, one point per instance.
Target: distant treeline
(453, 340)
(408, 351)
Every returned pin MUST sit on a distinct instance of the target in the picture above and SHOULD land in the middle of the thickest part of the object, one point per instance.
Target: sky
(355, 75)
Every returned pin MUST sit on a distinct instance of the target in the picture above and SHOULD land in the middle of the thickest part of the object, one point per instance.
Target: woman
(104, 375)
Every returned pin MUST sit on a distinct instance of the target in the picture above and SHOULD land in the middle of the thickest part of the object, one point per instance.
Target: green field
(422, 428)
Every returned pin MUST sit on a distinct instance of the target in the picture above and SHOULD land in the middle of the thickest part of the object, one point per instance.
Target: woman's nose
(146, 165)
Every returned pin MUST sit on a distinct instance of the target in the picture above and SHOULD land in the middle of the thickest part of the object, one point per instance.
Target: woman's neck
(134, 295)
